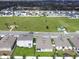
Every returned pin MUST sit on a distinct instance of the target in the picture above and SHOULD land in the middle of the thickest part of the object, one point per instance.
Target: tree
(47, 27)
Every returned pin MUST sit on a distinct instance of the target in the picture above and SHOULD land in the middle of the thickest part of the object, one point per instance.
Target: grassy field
(39, 23)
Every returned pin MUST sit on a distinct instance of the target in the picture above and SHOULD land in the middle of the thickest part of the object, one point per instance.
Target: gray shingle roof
(61, 40)
(43, 41)
(75, 40)
(7, 41)
(25, 37)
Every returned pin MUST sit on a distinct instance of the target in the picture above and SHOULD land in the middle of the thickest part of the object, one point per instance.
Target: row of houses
(37, 13)
(34, 57)
(45, 41)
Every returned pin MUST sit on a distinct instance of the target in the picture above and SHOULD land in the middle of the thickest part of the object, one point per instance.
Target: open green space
(39, 23)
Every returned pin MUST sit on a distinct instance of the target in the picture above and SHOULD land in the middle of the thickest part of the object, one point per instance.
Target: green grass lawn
(39, 23)
(30, 52)
(19, 51)
(59, 53)
(44, 54)
(23, 51)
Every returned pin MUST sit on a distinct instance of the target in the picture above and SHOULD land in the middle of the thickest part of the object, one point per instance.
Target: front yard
(19, 51)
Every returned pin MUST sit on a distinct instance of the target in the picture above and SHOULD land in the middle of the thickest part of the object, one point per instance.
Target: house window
(29, 44)
(63, 47)
(38, 49)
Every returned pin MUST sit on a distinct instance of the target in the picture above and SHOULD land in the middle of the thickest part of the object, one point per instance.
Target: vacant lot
(39, 23)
